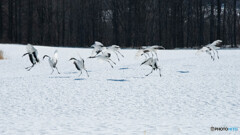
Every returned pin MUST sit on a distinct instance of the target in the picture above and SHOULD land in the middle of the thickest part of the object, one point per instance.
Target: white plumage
(216, 44)
(211, 48)
(142, 53)
(152, 62)
(206, 50)
(97, 48)
(33, 56)
(104, 57)
(80, 65)
(114, 49)
(53, 61)
(150, 49)
(214, 47)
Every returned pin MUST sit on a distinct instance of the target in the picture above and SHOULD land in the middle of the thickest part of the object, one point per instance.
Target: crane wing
(55, 56)
(106, 54)
(139, 53)
(31, 49)
(98, 43)
(80, 58)
(149, 61)
(217, 43)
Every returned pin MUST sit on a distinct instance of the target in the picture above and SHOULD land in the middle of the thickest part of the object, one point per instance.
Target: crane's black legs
(145, 56)
(149, 73)
(217, 54)
(52, 71)
(86, 72)
(57, 70)
(112, 61)
(110, 64)
(208, 52)
(30, 67)
(117, 52)
(160, 72)
(152, 54)
(80, 72)
(213, 54)
(152, 71)
(156, 55)
(120, 53)
(117, 56)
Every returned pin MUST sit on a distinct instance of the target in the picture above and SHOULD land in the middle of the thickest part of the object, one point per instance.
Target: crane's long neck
(72, 59)
(92, 57)
(25, 54)
(46, 56)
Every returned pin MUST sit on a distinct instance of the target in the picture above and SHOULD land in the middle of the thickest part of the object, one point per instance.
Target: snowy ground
(193, 94)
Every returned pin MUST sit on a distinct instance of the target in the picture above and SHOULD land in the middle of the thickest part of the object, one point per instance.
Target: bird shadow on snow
(74, 72)
(123, 68)
(79, 79)
(59, 77)
(70, 72)
(117, 80)
(183, 72)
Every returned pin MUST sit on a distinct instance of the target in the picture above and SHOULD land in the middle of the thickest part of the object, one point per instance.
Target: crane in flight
(114, 49)
(97, 48)
(153, 63)
(211, 49)
(104, 57)
(33, 56)
(146, 51)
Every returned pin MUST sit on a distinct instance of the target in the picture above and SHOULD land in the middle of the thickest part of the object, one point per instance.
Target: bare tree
(129, 23)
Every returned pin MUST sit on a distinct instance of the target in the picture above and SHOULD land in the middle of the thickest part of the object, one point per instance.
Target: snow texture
(193, 94)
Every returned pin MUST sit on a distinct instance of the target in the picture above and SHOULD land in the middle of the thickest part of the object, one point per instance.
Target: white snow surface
(193, 94)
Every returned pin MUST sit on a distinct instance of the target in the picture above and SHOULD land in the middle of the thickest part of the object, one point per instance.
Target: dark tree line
(128, 23)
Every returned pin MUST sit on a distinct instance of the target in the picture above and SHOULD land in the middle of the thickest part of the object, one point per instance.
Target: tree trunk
(189, 16)
(212, 35)
(115, 22)
(15, 21)
(58, 23)
(218, 19)
(129, 31)
(159, 20)
(30, 21)
(50, 21)
(224, 22)
(201, 25)
(63, 22)
(20, 21)
(1, 21)
(234, 23)
(71, 23)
